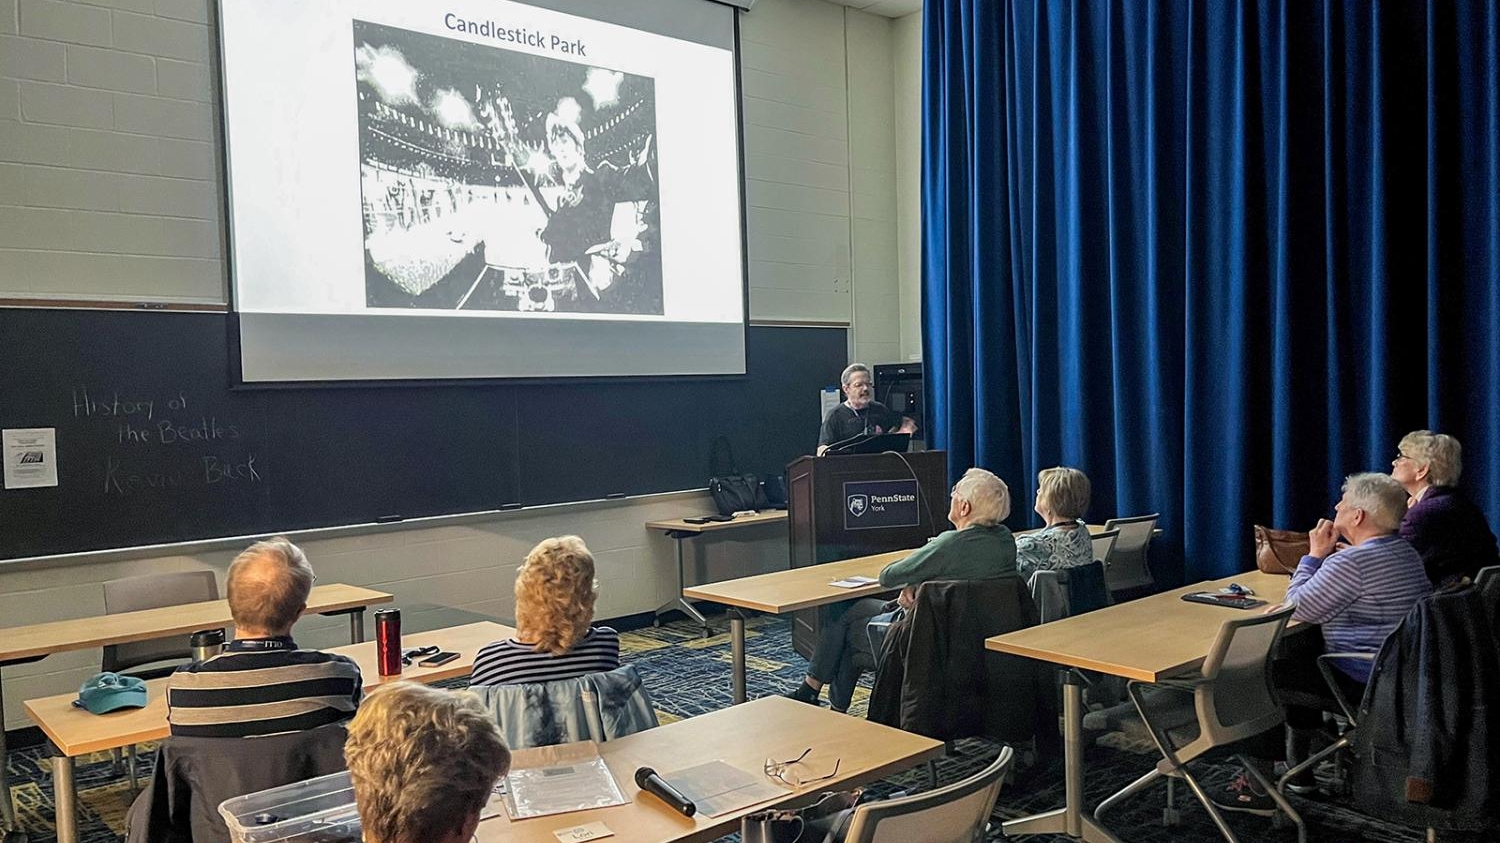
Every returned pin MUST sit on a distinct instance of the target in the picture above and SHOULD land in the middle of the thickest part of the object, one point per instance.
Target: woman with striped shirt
(554, 608)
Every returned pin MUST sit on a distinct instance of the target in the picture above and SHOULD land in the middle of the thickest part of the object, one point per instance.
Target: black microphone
(646, 779)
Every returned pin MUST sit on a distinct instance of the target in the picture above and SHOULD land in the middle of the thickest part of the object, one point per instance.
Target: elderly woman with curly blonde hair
(423, 762)
(554, 608)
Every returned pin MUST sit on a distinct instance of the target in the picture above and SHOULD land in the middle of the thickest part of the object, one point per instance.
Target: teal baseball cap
(106, 692)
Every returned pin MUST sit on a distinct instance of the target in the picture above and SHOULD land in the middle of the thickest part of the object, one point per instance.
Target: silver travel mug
(206, 643)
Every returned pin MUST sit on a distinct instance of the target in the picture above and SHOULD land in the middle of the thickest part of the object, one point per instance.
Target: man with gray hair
(1358, 594)
(979, 548)
(860, 413)
(263, 684)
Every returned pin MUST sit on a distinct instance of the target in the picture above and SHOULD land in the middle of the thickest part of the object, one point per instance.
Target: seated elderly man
(1358, 594)
(1446, 528)
(423, 762)
(979, 548)
(262, 683)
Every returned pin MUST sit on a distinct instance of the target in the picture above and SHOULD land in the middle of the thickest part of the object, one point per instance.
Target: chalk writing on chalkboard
(164, 443)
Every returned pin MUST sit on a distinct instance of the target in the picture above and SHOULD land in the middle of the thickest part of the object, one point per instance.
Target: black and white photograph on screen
(494, 179)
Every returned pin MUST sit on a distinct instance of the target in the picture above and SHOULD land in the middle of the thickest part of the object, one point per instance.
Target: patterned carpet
(690, 675)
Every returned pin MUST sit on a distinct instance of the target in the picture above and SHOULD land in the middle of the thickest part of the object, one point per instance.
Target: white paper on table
(854, 582)
(579, 833)
(558, 779)
(30, 457)
(717, 788)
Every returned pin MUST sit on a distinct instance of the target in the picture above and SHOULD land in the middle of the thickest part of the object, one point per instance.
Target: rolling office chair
(1230, 700)
(1104, 544)
(955, 813)
(153, 591)
(1350, 710)
(595, 707)
(1127, 561)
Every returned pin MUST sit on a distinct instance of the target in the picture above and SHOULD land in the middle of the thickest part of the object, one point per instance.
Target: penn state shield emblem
(858, 504)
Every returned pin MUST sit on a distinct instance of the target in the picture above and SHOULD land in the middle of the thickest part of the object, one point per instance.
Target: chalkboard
(155, 444)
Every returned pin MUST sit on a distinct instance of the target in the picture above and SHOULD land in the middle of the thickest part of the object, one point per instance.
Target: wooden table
(681, 531)
(1148, 639)
(74, 732)
(24, 644)
(780, 592)
(742, 736)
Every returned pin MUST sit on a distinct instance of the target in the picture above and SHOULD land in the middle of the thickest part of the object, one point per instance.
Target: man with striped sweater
(1358, 593)
(263, 684)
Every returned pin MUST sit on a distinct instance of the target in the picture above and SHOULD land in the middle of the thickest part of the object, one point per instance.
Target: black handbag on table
(733, 491)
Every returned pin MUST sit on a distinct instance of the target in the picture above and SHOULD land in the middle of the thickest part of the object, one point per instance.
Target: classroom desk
(24, 644)
(780, 592)
(74, 732)
(681, 531)
(742, 736)
(1148, 639)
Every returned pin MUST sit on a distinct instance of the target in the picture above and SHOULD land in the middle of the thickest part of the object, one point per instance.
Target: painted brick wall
(108, 174)
(109, 189)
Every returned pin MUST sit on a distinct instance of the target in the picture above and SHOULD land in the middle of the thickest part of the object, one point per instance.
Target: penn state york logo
(858, 504)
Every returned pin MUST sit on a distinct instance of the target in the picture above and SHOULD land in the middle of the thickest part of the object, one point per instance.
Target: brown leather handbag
(1279, 551)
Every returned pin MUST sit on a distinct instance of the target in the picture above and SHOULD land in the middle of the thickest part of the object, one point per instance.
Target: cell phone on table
(436, 659)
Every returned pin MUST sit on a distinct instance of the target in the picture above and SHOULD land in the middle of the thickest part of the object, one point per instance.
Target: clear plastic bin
(319, 810)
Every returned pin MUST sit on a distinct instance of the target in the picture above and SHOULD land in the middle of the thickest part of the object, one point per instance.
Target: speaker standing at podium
(859, 413)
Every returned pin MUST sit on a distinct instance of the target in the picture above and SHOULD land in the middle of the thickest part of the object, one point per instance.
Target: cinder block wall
(108, 172)
(110, 189)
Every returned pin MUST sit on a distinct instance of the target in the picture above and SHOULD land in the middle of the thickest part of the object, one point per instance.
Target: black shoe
(1242, 795)
(1304, 784)
(805, 693)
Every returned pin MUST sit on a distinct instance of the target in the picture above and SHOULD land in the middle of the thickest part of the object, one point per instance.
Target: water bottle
(388, 641)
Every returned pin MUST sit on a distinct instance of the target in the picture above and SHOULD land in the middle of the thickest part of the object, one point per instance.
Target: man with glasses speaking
(860, 413)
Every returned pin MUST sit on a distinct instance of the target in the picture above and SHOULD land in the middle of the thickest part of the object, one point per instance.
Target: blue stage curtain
(1218, 255)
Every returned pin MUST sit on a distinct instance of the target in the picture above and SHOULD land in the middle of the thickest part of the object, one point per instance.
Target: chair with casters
(1063, 592)
(193, 776)
(1349, 709)
(1128, 568)
(145, 658)
(1232, 698)
(955, 813)
(1104, 544)
(595, 707)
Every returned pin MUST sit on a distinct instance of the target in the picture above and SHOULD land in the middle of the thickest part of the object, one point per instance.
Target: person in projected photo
(588, 238)
(860, 413)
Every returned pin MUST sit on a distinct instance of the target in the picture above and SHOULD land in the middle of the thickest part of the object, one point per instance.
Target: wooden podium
(843, 506)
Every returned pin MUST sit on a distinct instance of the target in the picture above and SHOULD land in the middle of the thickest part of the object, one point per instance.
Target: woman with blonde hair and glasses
(423, 762)
(1062, 497)
(555, 594)
(1446, 528)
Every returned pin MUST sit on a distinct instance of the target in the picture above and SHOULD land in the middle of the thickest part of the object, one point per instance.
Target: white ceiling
(888, 8)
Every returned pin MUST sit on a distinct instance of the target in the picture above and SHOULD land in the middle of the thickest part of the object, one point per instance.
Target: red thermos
(388, 641)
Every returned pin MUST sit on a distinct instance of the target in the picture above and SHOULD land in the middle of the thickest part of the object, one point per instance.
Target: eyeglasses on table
(782, 770)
